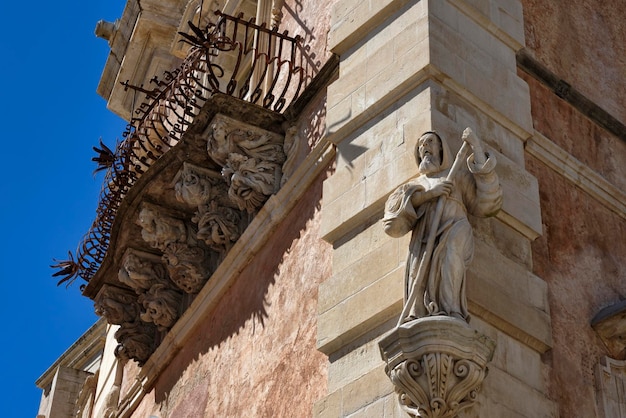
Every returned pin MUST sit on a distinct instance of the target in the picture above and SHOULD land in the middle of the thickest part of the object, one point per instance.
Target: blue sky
(51, 117)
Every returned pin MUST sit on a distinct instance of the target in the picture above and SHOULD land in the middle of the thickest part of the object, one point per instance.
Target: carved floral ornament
(244, 167)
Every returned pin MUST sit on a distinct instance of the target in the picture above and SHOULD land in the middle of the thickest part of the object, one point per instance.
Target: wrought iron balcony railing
(233, 56)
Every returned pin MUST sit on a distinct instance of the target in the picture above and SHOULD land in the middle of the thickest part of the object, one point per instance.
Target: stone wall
(581, 41)
(256, 348)
(407, 67)
(581, 252)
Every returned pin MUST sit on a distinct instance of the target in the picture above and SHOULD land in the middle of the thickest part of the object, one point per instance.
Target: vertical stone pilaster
(407, 67)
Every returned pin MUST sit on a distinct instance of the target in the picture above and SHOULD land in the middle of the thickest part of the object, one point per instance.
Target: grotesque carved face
(116, 306)
(187, 267)
(114, 311)
(159, 230)
(160, 306)
(251, 181)
(192, 188)
(136, 341)
(139, 273)
(218, 227)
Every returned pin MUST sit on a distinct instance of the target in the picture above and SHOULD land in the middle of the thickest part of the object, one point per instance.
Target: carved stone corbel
(251, 181)
(117, 305)
(196, 186)
(188, 262)
(251, 159)
(140, 271)
(159, 230)
(146, 274)
(161, 305)
(436, 364)
(219, 226)
(137, 341)
(219, 222)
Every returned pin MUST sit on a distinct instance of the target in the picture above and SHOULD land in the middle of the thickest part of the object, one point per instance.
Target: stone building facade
(246, 271)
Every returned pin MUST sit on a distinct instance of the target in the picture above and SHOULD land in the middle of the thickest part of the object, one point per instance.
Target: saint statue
(434, 207)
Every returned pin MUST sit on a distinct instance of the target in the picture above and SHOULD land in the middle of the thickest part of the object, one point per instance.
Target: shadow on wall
(257, 325)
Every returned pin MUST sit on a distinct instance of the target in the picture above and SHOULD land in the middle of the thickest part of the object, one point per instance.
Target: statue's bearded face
(429, 150)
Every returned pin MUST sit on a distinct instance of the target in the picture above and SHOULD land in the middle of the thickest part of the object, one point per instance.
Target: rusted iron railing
(233, 56)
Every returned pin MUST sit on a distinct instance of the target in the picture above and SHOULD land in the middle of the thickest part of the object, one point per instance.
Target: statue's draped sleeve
(485, 199)
(400, 215)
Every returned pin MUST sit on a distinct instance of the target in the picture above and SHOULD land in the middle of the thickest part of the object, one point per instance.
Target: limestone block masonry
(407, 67)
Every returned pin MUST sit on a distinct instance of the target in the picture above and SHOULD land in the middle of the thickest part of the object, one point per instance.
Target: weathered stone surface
(434, 207)
(586, 43)
(245, 327)
(578, 258)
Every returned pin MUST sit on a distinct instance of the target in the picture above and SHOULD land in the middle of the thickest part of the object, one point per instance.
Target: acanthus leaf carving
(436, 364)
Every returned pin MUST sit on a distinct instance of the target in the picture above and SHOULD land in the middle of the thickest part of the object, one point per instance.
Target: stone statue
(434, 207)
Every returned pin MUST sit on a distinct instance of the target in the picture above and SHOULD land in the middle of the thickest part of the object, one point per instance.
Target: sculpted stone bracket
(183, 221)
(251, 160)
(188, 262)
(437, 365)
(136, 338)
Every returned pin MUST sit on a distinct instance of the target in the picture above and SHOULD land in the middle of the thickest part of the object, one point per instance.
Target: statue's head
(429, 153)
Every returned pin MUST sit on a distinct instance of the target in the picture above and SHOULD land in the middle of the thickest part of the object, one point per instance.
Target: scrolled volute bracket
(437, 365)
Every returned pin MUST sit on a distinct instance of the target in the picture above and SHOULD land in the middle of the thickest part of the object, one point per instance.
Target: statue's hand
(470, 137)
(442, 189)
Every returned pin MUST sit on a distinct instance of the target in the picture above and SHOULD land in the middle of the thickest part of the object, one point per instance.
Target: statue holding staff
(434, 206)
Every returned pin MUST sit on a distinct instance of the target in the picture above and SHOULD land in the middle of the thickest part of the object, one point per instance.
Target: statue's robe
(476, 190)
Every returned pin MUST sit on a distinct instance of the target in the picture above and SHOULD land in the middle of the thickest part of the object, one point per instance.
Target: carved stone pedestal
(436, 364)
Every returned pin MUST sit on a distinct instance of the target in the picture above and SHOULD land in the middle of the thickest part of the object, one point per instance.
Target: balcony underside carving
(182, 217)
(203, 151)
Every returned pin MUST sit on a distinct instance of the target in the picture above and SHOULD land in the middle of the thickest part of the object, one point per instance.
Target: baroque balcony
(206, 147)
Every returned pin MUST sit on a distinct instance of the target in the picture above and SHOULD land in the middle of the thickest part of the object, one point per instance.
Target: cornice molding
(578, 173)
(527, 63)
